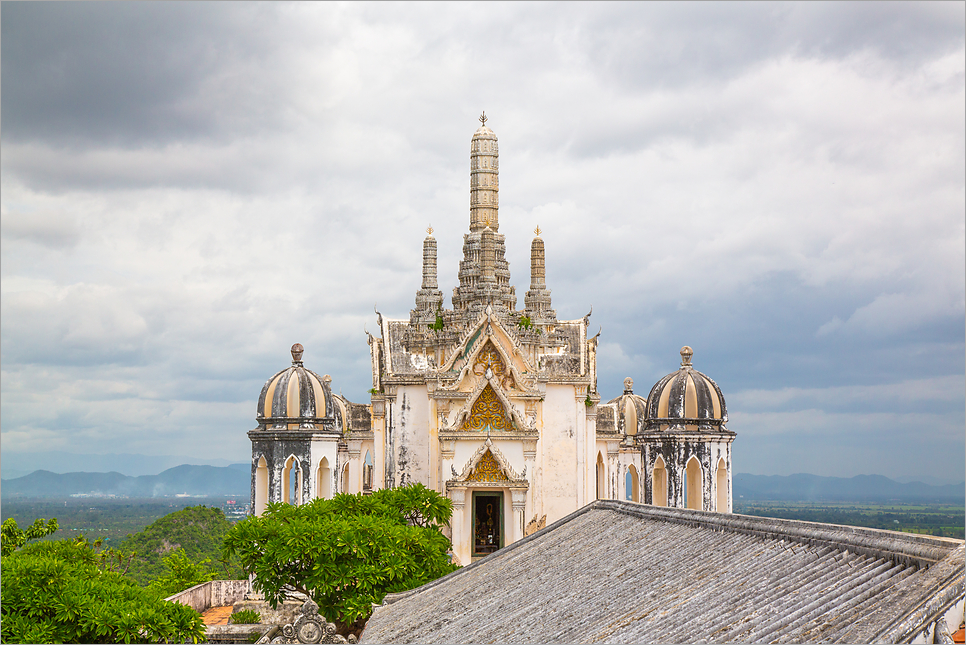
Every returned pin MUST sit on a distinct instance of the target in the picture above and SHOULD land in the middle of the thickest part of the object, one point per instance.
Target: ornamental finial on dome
(686, 354)
(628, 385)
(297, 350)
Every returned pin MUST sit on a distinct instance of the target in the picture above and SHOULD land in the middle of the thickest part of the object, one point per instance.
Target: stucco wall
(558, 461)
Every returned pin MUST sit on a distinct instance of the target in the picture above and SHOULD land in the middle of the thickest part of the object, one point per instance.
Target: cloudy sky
(189, 189)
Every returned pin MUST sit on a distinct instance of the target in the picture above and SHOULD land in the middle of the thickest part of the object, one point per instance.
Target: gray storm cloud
(190, 188)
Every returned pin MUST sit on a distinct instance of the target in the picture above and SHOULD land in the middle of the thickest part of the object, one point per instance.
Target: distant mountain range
(236, 480)
(180, 480)
(18, 464)
(872, 488)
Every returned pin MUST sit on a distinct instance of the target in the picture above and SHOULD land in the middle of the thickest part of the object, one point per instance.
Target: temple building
(493, 406)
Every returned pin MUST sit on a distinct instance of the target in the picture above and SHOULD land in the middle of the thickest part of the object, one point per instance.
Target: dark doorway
(487, 523)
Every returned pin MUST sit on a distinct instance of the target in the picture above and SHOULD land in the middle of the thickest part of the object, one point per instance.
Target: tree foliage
(183, 573)
(348, 552)
(198, 531)
(66, 591)
(12, 537)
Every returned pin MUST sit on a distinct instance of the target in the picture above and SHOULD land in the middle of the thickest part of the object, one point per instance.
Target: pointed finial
(537, 230)
(297, 350)
(483, 118)
(686, 354)
(429, 230)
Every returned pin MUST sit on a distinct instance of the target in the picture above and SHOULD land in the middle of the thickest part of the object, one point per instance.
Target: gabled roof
(619, 572)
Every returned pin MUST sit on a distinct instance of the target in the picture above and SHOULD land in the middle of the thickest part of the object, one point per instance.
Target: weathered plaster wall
(559, 463)
(409, 438)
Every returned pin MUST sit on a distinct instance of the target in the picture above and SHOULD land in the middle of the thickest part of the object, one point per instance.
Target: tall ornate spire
(484, 179)
(484, 272)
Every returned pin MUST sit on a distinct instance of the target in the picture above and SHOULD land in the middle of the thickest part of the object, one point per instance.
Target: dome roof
(297, 395)
(631, 409)
(686, 397)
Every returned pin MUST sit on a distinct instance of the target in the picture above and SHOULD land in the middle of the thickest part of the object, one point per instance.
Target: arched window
(721, 483)
(693, 489)
(633, 484)
(292, 481)
(345, 479)
(367, 472)
(261, 487)
(323, 480)
(600, 477)
(659, 483)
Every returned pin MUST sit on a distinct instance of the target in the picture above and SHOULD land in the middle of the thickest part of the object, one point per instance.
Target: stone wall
(215, 593)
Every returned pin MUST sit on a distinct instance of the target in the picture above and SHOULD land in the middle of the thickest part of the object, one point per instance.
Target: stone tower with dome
(493, 406)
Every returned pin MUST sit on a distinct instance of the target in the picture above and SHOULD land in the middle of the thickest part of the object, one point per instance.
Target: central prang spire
(484, 273)
(484, 179)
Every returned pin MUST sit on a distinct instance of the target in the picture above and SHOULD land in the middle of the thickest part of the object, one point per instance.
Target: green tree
(183, 573)
(348, 552)
(12, 537)
(65, 591)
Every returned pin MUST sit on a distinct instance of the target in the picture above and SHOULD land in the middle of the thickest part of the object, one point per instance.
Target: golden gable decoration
(489, 359)
(487, 470)
(488, 413)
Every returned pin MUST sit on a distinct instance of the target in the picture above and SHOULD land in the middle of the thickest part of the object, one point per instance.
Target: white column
(355, 469)
(519, 498)
(457, 523)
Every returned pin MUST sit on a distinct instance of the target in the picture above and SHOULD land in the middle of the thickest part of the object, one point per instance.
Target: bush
(246, 617)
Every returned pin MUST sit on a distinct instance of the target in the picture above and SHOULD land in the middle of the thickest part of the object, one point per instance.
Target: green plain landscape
(943, 520)
(97, 517)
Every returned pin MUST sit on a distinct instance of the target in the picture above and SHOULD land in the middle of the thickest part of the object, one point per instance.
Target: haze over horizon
(187, 189)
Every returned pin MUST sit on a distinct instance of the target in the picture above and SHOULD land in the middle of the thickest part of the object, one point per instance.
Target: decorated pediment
(489, 349)
(487, 470)
(489, 409)
(488, 465)
(488, 413)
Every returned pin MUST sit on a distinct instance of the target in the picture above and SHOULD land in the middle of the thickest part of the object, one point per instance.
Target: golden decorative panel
(490, 359)
(488, 413)
(488, 470)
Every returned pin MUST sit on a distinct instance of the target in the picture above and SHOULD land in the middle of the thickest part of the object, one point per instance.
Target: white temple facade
(493, 406)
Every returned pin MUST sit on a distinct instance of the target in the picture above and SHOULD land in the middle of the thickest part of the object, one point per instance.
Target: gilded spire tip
(429, 229)
(537, 230)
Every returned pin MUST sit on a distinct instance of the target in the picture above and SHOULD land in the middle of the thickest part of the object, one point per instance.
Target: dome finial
(686, 354)
(297, 350)
(628, 385)
(483, 118)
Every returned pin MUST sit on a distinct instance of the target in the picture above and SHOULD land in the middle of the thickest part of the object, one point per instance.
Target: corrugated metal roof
(620, 572)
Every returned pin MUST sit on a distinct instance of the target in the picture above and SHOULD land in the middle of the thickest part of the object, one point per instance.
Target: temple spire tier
(537, 301)
(484, 181)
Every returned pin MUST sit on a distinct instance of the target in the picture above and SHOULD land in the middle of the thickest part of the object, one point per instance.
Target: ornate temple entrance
(487, 522)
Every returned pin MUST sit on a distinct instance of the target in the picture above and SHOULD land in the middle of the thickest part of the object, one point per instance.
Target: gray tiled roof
(630, 573)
